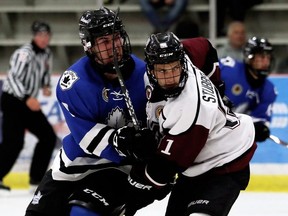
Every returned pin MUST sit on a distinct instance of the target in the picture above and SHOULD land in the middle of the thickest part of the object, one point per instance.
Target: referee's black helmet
(40, 26)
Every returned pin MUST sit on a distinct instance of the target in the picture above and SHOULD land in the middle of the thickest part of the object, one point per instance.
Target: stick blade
(278, 141)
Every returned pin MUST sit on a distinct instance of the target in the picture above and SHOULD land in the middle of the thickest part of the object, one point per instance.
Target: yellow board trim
(268, 183)
(17, 180)
(258, 183)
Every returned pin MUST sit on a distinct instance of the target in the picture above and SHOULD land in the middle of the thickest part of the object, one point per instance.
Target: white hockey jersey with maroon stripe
(198, 132)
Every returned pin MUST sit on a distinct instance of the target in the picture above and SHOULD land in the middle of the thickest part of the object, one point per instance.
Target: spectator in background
(107, 2)
(282, 64)
(235, 8)
(187, 27)
(247, 86)
(282, 67)
(29, 71)
(236, 35)
(163, 13)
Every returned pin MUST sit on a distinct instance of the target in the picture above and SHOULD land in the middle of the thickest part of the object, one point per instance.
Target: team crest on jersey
(105, 95)
(36, 198)
(237, 89)
(148, 92)
(68, 79)
(116, 118)
(116, 96)
(158, 111)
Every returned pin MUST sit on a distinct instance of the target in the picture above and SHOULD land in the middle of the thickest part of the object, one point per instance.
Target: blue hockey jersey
(256, 102)
(93, 108)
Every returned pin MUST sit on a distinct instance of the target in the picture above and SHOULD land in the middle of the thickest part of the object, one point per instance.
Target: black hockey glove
(135, 144)
(262, 132)
(141, 192)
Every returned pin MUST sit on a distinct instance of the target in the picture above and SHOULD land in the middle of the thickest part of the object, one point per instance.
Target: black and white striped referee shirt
(29, 71)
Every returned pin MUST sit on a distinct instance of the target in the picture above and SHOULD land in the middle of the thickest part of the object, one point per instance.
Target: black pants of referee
(16, 119)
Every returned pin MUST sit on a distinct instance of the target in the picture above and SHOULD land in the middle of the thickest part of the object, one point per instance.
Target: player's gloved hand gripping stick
(131, 142)
(138, 145)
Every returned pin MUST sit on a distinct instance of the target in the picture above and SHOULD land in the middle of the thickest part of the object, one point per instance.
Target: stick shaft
(277, 140)
(121, 81)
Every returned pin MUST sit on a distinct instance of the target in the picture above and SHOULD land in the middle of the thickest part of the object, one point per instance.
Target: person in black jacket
(29, 71)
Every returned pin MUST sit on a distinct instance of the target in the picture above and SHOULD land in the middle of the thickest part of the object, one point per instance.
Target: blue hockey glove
(135, 144)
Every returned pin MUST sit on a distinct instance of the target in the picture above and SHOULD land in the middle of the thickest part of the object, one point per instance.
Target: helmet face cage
(164, 48)
(254, 46)
(98, 23)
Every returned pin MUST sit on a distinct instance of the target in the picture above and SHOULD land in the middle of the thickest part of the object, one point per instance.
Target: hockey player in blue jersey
(88, 173)
(247, 85)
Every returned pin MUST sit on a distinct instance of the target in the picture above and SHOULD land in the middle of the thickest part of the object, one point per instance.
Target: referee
(29, 71)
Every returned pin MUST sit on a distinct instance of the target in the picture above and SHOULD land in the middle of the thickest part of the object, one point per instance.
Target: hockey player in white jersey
(201, 140)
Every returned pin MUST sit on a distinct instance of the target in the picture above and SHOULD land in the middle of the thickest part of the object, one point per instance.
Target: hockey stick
(121, 80)
(278, 141)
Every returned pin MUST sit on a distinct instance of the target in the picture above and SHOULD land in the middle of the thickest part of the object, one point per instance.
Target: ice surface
(248, 204)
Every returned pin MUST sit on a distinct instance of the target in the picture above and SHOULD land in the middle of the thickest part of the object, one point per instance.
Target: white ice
(248, 204)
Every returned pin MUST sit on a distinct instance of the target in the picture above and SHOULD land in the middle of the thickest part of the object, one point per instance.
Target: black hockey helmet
(97, 23)
(40, 26)
(257, 45)
(164, 48)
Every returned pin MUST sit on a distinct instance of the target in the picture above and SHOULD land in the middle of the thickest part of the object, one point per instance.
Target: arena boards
(269, 166)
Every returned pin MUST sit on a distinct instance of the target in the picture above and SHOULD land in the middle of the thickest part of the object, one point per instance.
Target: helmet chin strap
(258, 73)
(262, 73)
(255, 77)
(107, 68)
